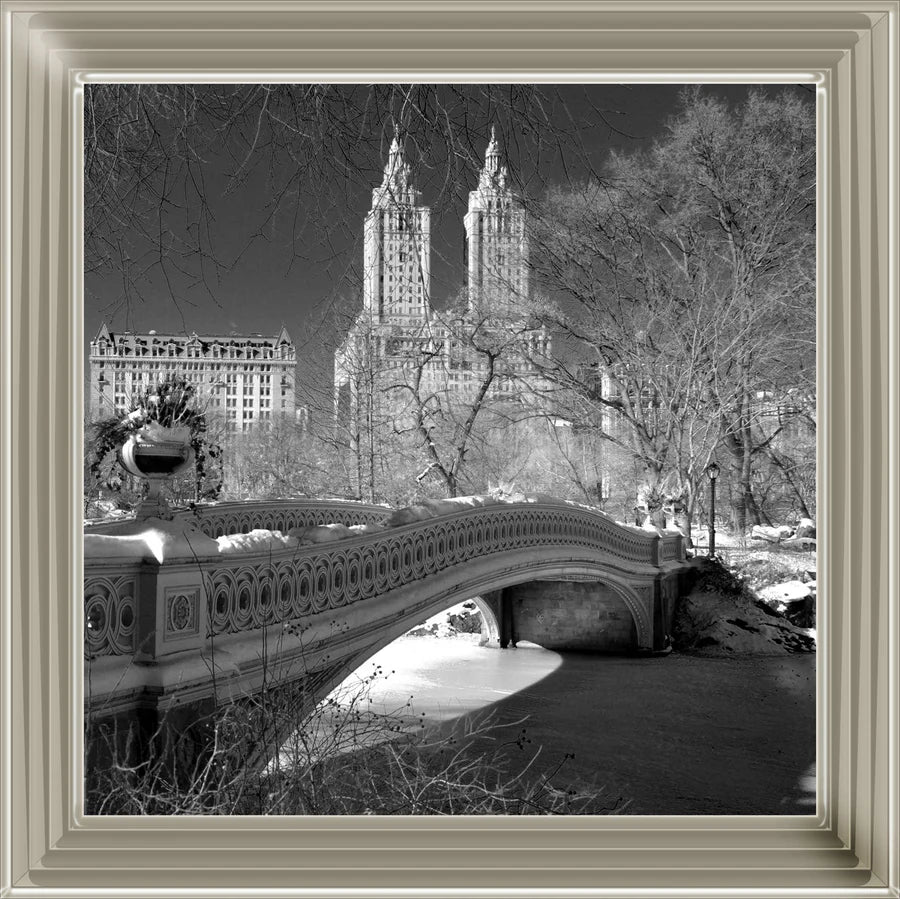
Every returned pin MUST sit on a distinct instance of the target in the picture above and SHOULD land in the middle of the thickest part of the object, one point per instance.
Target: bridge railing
(154, 609)
(248, 592)
(279, 515)
(216, 519)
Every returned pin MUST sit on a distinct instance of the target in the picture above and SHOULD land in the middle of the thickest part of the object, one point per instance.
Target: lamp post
(712, 472)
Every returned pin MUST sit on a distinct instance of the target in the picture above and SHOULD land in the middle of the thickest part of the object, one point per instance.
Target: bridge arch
(636, 599)
(490, 630)
(322, 608)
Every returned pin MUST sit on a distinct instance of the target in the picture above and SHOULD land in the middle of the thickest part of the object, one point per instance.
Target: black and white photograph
(450, 449)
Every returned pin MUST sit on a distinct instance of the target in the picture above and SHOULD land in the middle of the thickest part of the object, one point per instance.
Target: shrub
(342, 759)
(468, 621)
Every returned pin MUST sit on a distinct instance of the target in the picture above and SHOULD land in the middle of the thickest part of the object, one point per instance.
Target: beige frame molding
(849, 48)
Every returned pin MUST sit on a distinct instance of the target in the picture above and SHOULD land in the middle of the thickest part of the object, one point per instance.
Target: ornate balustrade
(291, 584)
(110, 607)
(230, 593)
(217, 519)
(280, 515)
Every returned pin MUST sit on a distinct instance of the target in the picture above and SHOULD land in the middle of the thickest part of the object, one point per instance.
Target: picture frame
(848, 49)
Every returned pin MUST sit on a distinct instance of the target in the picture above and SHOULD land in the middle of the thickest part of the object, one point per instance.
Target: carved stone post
(172, 612)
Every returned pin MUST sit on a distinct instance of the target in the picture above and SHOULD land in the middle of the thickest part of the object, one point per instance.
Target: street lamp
(712, 472)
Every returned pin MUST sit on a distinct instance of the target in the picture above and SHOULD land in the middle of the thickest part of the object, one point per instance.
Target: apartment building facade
(243, 380)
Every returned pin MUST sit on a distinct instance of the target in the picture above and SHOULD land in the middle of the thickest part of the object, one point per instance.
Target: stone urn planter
(156, 454)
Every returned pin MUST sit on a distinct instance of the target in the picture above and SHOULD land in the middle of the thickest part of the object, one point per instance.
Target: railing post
(172, 612)
(170, 609)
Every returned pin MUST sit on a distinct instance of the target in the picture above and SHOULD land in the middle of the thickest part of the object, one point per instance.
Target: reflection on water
(805, 798)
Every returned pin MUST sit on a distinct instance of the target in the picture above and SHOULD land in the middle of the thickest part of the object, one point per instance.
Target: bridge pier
(587, 615)
(570, 615)
(665, 595)
(506, 619)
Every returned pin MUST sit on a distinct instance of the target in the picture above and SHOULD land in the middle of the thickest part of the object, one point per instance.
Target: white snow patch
(349, 502)
(360, 530)
(771, 534)
(257, 540)
(323, 533)
(789, 591)
(432, 508)
(150, 538)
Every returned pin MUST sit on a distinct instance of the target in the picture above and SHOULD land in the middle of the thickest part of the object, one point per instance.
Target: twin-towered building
(397, 245)
(399, 344)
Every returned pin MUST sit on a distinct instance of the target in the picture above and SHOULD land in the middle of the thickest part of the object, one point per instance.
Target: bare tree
(276, 459)
(750, 174)
(451, 389)
(685, 282)
(635, 362)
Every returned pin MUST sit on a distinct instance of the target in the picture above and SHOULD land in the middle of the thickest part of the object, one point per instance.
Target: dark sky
(294, 270)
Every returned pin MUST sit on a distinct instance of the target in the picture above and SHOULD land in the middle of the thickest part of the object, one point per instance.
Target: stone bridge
(172, 622)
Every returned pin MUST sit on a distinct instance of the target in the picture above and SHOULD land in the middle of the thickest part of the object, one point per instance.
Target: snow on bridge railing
(244, 582)
(217, 519)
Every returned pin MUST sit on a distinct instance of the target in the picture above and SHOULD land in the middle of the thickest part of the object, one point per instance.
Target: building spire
(493, 147)
(494, 174)
(395, 156)
(396, 182)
